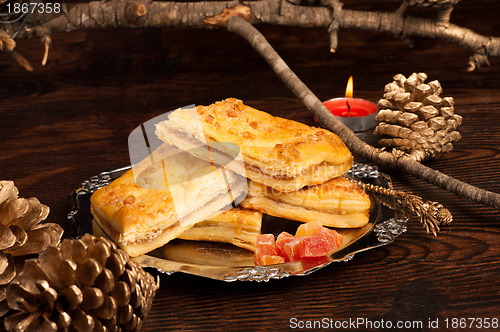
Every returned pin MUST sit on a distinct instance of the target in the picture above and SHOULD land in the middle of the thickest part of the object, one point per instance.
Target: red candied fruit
(281, 241)
(265, 246)
(310, 240)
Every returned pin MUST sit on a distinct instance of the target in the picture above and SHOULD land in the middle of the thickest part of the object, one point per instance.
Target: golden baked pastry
(237, 226)
(336, 203)
(280, 153)
(158, 200)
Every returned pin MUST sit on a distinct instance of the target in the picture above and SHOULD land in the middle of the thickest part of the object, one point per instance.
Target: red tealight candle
(358, 114)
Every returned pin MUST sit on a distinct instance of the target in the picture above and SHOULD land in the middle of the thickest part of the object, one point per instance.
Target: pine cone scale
(21, 237)
(8, 193)
(63, 319)
(9, 273)
(121, 293)
(4, 307)
(108, 309)
(125, 313)
(105, 281)
(14, 209)
(93, 298)
(132, 324)
(4, 262)
(51, 255)
(19, 298)
(19, 321)
(88, 271)
(7, 238)
(78, 251)
(73, 296)
(67, 272)
(81, 321)
(116, 264)
(37, 241)
(44, 325)
(54, 231)
(100, 252)
(36, 213)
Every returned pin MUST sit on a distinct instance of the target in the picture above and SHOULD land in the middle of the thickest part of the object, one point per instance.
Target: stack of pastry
(293, 171)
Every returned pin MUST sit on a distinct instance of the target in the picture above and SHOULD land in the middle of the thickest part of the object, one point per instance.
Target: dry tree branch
(403, 162)
(148, 13)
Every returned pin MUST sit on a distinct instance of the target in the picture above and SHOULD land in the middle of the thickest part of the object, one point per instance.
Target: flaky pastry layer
(237, 226)
(280, 153)
(140, 219)
(337, 203)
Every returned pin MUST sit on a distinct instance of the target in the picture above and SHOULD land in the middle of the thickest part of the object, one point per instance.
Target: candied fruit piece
(292, 249)
(309, 228)
(271, 259)
(281, 241)
(312, 240)
(265, 246)
(319, 244)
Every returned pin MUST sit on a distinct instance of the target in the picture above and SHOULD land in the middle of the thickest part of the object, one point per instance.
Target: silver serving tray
(229, 263)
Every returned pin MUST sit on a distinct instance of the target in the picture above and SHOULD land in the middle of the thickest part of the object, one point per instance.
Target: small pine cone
(84, 285)
(21, 234)
(414, 118)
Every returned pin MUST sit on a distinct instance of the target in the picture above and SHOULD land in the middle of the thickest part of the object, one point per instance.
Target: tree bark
(402, 162)
(148, 13)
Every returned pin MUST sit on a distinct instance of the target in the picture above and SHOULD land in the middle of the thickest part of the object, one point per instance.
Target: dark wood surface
(70, 120)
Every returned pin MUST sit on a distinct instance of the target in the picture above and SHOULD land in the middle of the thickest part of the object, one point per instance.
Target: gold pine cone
(21, 234)
(84, 285)
(414, 118)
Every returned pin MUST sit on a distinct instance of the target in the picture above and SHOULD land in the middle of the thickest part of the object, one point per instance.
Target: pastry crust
(336, 203)
(237, 226)
(280, 153)
(141, 218)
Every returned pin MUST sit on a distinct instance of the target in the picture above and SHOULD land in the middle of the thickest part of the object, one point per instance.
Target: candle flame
(349, 88)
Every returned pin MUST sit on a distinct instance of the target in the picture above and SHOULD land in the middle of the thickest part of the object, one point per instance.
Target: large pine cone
(84, 285)
(415, 119)
(21, 234)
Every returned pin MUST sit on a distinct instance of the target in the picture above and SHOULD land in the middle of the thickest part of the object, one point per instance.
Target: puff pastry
(239, 227)
(280, 153)
(336, 203)
(142, 210)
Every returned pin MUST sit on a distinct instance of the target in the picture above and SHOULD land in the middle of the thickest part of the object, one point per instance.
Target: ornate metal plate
(229, 263)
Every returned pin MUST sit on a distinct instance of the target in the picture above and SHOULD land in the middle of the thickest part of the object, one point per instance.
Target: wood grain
(70, 120)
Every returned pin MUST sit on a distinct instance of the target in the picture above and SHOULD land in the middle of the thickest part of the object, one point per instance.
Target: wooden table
(70, 120)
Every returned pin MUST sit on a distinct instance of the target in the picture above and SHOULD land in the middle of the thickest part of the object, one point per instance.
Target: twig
(21, 60)
(6, 42)
(47, 41)
(261, 45)
(333, 28)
